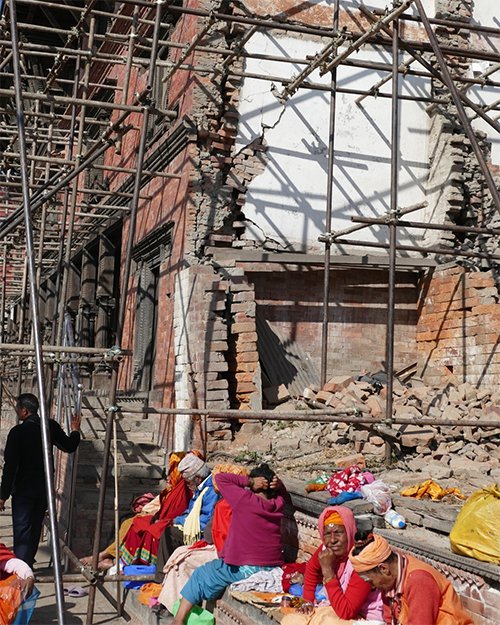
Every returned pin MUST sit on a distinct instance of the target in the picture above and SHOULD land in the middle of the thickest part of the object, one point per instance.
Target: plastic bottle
(394, 519)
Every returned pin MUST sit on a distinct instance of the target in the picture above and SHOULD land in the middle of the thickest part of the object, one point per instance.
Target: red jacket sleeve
(423, 597)
(312, 577)
(348, 604)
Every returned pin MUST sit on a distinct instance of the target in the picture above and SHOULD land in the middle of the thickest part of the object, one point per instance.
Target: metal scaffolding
(64, 124)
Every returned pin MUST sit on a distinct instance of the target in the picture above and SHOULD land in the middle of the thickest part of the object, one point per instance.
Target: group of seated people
(241, 514)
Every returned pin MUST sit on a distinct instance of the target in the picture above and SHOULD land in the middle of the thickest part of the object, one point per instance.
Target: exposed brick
(249, 326)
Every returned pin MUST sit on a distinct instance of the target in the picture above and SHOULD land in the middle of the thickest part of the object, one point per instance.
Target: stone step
(128, 451)
(102, 403)
(87, 494)
(95, 426)
(136, 472)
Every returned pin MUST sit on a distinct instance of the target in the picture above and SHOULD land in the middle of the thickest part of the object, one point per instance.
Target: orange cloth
(147, 592)
(431, 489)
(225, 467)
(372, 555)
(334, 519)
(451, 611)
(10, 599)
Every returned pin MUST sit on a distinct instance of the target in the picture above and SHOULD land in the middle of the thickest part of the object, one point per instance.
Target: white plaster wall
(183, 367)
(487, 13)
(286, 203)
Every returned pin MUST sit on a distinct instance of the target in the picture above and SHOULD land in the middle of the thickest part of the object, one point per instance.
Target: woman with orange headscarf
(348, 596)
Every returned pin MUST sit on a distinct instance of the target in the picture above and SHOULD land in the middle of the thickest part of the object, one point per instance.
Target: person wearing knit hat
(192, 466)
(349, 596)
(413, 592)
(187, 528)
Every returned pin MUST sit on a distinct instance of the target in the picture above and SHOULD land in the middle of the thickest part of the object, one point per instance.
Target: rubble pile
(456, 446)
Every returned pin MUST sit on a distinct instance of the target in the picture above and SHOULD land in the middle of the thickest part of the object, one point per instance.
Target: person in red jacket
(414, 593)
(348, 595)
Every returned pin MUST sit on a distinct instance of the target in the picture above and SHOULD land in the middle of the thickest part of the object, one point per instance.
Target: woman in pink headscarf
(348, 596)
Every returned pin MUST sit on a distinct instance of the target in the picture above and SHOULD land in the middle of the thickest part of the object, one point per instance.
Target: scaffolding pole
(131, 226)
(328, 211)
(30, 255)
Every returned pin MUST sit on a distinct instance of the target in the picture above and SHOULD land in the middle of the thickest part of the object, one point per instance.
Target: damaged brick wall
(457, 192)
(292, 302)
(217, 364)
(457, 332)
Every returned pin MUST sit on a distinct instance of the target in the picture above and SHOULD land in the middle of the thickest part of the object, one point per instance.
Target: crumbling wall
(291, 301)
(457, 332)
(216, 359)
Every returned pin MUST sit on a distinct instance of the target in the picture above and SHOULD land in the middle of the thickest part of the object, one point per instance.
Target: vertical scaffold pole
(389, 349)
(328, 214)
(37, 340)
(123, 304)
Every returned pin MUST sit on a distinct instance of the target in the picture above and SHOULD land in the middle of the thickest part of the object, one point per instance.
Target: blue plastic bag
(345, 496)
(137, 569)
(26, 609)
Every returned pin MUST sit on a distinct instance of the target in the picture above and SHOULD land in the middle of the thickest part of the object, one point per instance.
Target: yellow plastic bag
(476, 532)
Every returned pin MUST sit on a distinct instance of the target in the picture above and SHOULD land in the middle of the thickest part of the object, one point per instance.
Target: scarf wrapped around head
(348, 522)
(347, 518)
(372, 555)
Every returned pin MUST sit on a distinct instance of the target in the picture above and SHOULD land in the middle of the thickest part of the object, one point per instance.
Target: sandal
(76, 591)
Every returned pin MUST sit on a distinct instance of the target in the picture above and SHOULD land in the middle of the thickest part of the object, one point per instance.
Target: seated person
(184, 560)
(187, 528)
(253, 542)
(16, 584)
(413, 592)
(348, 595)
(139, 535)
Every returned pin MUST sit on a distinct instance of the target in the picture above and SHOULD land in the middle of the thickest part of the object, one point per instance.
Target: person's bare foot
(106, 563)
(103, 557)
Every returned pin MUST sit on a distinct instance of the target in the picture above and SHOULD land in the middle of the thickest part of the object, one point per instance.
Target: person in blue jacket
(187, 528)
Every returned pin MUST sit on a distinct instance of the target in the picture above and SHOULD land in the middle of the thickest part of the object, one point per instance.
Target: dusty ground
(75, 608)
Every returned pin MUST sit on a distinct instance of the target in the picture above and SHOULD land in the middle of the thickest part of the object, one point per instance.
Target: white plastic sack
(378, 494)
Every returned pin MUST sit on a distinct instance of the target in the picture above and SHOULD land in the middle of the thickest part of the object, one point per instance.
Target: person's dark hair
(264, 470)
(29, 402)
(361, 540)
